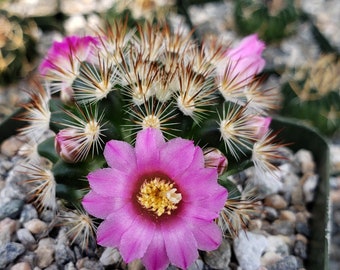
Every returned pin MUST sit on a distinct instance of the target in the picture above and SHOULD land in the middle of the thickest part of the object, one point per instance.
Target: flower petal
(99, 206)
(147, 148)
(180, 244)
(207, 234)
(110, 231)
(155, 257)
(120, 155)
(176, 156)
(111, 183)
(136, 239)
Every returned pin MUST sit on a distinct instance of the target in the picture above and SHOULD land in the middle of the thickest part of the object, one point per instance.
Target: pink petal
(100, 206)
(136, 239)
(207, 234)
(206, 178)
(111, 183)
(180, 244)
(120, 155)
(155, 257)
(110, 231)
(203, 209)
(147, 147)
(176, 156)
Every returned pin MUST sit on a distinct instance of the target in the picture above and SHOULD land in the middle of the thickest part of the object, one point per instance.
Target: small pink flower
(214, 158)
(158, 201)
(66, 145)
(244, 61)
(260, 124)
(62, 62)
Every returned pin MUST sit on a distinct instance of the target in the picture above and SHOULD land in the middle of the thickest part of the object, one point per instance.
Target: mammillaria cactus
(145, 126)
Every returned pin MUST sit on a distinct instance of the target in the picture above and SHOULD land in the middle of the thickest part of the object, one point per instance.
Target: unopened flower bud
(66, 145)
(260, 125)
(214, 158)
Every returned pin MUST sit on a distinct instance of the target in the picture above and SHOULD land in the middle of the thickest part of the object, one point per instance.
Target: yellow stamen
(159, 196)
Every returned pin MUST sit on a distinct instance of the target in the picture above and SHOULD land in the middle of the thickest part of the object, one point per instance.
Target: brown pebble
(288, 215)
(10, 146)
(21, 266)
(276, 201)
(36, 226)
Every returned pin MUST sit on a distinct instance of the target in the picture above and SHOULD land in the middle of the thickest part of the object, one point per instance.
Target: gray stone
(287, 263)
(26, 238)
(7, 228)
(219, 258)
(11, 209)
(309, 187)
(110, 256)
(300, 249)
(28, 212)
(9, 252)
(248, 248)
(270, 213)
(63, 253)
(283, 227)
(197, 265)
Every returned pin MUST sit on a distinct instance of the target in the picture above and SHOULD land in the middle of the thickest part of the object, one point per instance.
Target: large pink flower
(244, 61)
(158, 201)
(63, 59)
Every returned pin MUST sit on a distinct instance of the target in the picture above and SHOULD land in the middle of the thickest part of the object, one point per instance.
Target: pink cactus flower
(158, 200)
(260, 124)
(242, 63)
(62, 63)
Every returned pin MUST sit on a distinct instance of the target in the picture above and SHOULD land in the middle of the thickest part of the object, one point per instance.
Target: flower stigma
(159, 196)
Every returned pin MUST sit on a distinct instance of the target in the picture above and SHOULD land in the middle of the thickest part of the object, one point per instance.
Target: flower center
(159, 196)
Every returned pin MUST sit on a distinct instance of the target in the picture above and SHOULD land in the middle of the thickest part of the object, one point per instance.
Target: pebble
(283, 227)
(28, 213)
(45, 252)
(288, 215)
(10, 146)
(11, 209)
(309, 186)
(7, 228)
(287, 263)
(36, 226)
(277, 244)
(26, 238)
(110, 256)
(276, 201)
(248, 248)
(305, 159)
(21, 266)
(9, 252)
(300, 249)
(63, 253)
(270, 213)
(219, 258)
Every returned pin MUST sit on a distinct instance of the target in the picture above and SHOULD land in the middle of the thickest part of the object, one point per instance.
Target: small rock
(11, 146)
(7, 228)
(309, 186)
(110, 256)
(305, 159)
(63, 253)
(11, 209)
(288, 215)
(86, 263)
(248, 248)
(28, 212)
(276, 201)
(197, 265)
(283, 227)
(9, 252)
(21, 266)
(270, 257)
(287, 263)
(219, 258)
(36, 226)
(277, 244)
(45, 252)
(270, 213)
(302, 228)
(300, 249)
(26, 238)
(70, 266)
